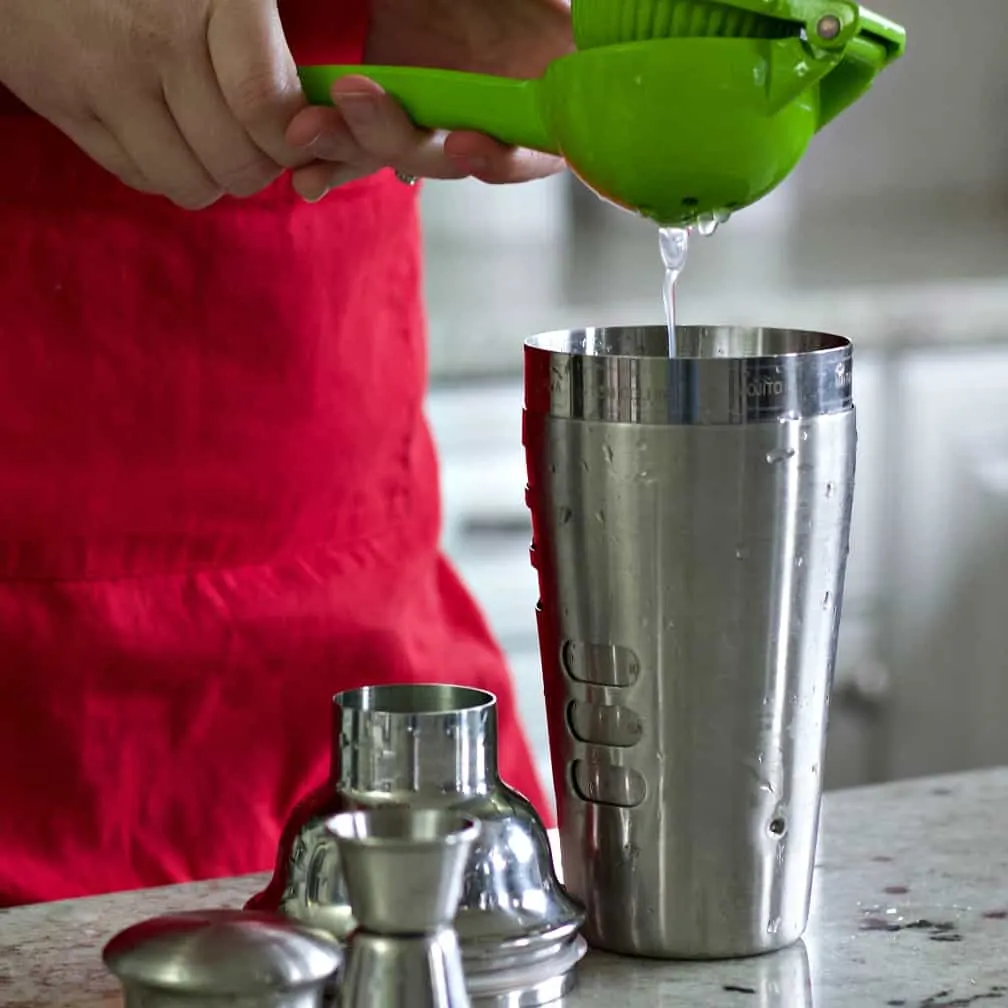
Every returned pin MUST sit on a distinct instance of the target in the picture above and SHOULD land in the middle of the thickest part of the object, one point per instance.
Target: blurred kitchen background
(894, 230)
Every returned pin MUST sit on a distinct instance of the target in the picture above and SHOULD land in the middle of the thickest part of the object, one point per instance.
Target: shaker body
(691, 521)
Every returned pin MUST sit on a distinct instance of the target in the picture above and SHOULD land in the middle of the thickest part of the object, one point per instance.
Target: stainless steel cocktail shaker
(691, 520)
(434, 747)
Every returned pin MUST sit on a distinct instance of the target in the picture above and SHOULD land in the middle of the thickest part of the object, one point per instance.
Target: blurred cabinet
(856, 747)
(948, 623)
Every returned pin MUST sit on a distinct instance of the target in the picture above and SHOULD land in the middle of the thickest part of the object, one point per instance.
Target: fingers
(326, 136)
(218, 140)
(256, 74)
(148, 132)
(367, 130)
(384, 133)
(227, 97)
(493, 162)
(316, 180)
(344, 163)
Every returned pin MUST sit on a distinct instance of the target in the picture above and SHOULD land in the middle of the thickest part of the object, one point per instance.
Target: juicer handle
(878, 43)
(851, 78)
(506, 109)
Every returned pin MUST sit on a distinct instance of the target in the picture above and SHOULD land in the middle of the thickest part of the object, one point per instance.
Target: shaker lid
(220, 952)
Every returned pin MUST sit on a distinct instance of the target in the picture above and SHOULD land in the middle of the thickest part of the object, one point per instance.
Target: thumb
(256, 72)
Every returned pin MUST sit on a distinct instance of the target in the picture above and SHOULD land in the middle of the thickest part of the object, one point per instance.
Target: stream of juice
(674, 246)
(673, 243)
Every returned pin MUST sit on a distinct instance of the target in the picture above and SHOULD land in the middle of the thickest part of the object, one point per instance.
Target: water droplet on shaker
(804, 435)
(607, 453)
(799, 561)
(600, 516)
(779, 455)
(741, 552)
(830, 490)
(565, 515)
(774, 926)
(826, 601)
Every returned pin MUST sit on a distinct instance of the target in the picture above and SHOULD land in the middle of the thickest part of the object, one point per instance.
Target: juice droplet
(708, 223)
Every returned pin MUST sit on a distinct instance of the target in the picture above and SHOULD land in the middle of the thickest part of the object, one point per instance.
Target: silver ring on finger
(406, 179)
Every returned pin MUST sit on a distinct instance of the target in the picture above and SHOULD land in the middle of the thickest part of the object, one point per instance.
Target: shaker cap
(220, 953)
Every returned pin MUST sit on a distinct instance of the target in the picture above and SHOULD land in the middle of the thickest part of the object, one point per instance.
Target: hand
(367, 130)
(187, 98)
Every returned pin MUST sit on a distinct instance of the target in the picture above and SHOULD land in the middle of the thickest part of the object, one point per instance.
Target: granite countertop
(910, 910)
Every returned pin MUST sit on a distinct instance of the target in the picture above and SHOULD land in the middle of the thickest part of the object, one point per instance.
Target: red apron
(218, 505)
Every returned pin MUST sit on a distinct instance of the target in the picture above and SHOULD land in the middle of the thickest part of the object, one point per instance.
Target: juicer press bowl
(432, 746)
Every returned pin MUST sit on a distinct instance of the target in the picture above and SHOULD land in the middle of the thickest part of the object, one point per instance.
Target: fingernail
(358, 107)
(316, 195)
(307, 144)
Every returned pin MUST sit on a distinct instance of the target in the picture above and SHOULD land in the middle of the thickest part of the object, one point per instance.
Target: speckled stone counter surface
(910, 911)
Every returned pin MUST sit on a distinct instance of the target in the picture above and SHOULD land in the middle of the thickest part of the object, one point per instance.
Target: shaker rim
(415, 699)
(650, 342)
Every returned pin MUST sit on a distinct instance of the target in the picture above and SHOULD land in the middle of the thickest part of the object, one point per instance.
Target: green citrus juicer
(674, 109)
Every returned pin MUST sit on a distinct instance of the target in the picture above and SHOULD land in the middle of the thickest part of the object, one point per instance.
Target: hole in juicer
(778, 826)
